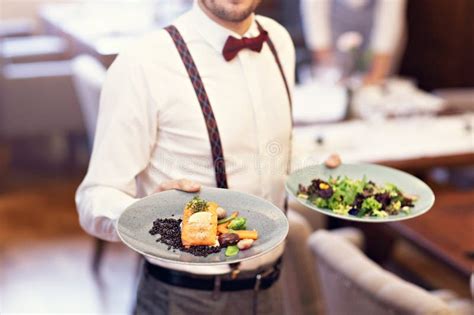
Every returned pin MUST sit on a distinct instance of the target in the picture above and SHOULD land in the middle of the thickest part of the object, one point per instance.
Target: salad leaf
(371, 204)
(360, 197)
(392, 190)
(379, 213)
(320, 202)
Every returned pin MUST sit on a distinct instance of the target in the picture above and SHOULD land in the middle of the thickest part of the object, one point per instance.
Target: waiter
(380, 23)
(206, 100)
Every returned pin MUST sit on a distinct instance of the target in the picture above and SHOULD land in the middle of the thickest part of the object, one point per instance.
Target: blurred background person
(377, 28)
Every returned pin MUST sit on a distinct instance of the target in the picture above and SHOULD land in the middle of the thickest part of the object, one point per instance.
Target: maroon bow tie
(233, 45)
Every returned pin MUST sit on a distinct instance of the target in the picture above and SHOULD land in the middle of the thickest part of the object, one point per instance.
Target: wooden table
(423, 163)
(446, 232)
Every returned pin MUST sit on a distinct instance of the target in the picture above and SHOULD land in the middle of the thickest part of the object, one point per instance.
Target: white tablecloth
(391, 140)
(315, 102)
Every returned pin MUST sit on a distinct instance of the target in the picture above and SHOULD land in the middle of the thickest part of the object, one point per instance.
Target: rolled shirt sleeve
(125, 136)
(388, 26)
(316, 26)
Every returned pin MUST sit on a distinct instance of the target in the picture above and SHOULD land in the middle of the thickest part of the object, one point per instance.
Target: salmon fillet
(199, 227)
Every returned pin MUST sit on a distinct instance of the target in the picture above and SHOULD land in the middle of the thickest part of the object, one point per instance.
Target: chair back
(353, 284)
(299, 277)
(38, 99)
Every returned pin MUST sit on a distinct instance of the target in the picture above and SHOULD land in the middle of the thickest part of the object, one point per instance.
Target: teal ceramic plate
(134, 224)
(409, 184)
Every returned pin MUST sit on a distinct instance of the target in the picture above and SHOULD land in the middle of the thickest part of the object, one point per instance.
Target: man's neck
(238, 27)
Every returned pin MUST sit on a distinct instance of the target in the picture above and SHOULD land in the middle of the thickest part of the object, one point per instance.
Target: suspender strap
(211, 124)
(283, 76)
(277, 60)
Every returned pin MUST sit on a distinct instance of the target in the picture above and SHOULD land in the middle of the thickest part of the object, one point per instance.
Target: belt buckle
(235, 270)
(258, 281)
(259, 276)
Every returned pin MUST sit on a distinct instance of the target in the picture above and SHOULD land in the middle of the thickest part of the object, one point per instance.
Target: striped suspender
(211, 124)
(277, 60)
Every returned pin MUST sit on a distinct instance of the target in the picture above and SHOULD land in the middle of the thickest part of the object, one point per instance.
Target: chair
(300, 281)
(88, 77)
(353, 284)
(38, 99)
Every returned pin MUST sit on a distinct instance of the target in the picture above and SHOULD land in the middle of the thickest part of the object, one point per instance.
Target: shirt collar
(215, 33)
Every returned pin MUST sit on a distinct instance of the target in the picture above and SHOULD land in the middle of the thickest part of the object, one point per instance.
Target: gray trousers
(156, 297)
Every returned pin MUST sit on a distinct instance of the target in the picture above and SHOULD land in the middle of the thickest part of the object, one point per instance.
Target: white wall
(12, 9)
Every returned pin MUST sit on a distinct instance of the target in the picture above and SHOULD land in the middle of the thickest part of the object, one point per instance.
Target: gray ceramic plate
(379, 174)
(134, 224)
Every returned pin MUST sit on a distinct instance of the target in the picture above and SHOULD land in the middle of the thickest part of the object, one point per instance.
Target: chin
(232, 10)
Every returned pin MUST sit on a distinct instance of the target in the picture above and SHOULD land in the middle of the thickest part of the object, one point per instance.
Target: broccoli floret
(238, 223)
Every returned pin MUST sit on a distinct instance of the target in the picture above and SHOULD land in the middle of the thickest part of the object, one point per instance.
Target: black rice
(170, 234)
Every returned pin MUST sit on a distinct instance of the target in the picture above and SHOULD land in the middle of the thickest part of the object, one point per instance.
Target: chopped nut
(245, 244)
(221, 213)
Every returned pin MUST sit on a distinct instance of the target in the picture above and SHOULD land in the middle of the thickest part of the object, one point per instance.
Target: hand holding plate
(179, 184)
(333, 161)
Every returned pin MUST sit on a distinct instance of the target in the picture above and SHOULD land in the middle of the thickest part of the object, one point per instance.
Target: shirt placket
(250, 70)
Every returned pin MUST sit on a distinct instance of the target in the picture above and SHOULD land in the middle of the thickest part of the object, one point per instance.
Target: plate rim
(357, 219)
(220, 263)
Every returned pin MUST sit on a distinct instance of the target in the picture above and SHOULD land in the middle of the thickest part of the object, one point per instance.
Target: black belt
(263, 280)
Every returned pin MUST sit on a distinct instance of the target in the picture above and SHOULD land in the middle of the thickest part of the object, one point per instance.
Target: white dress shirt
(387, 28)
(151, 129)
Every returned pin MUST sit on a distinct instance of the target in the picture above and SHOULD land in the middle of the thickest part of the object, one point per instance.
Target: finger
(333, 161)
(168, 185)
(182, 184)
(188, 185)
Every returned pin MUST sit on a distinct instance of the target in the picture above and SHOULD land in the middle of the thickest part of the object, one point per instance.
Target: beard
(231, 10)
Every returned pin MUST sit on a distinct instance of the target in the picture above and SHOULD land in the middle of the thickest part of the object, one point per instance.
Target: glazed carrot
(245, 234)
(222, 228)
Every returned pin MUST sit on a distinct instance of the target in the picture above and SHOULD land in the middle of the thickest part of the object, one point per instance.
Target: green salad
(358, 197)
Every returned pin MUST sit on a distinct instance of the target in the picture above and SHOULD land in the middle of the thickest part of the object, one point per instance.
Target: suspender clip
(235, 270)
